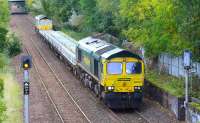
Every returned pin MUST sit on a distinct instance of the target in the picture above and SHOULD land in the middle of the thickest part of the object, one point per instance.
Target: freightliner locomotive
(115, 75)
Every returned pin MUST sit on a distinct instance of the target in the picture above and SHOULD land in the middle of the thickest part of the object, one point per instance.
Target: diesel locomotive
(114, 74)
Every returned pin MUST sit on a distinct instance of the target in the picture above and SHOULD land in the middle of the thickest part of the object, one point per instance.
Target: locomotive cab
(123, 79)
(123, 74)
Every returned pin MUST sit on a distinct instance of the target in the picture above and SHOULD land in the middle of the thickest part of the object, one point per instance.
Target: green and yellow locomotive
(114, 74)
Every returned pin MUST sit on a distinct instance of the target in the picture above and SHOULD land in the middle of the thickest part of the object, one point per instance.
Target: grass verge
(170, 84)
(195, 105)
(74, 34)
(12, 98)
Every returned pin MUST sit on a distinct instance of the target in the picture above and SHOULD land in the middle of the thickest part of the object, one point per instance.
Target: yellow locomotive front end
(116, 75)
(123, 80)
(43, 23)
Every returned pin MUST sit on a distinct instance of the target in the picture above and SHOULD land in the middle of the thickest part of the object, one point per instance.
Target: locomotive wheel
(96, 90)
(82, 77)
(86, 82)
(102, 97)
(61, 58)
(74, 71)
(91, 85)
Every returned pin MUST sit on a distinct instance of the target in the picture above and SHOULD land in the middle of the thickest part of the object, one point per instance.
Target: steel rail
(113, 113)
(60, 82)
(46, 90)
(145, 118)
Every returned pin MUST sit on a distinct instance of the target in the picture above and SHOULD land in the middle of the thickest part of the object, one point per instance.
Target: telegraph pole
(26, 65)
(187, 67)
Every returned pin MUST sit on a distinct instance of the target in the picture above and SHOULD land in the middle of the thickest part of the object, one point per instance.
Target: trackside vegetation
(170, 84)
(9, 91)
(2, 103)
(12, 98)
(195, 105)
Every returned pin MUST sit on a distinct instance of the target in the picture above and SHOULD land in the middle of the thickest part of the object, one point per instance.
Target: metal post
(187, 66)
(26, 96)
(186, 95)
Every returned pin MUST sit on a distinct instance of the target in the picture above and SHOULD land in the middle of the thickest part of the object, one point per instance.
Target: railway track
(46, 90)
(60, 83)
(66, 90)
(116, 116)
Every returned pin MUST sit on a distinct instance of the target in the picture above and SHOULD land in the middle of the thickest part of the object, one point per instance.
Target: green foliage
(162, 26)
(59, 10)
(4, 13)
(3, 43)
(1, 88)
(3, 60)
(2, 110)
(75, 34)
(14, 45)
(4, 18)
(195, 105)
(10, 43)
(195, 86)
(100, 16)
(2, 104)
(152, 24)
(189, 23)
(172, 85)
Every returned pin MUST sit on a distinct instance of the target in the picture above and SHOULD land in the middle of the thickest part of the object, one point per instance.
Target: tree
(4, 17)
(3, 42)
(64, 10)
(4, 13)
(152, 24)
(189, 23)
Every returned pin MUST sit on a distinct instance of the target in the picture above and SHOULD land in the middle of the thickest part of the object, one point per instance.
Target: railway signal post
(187, 67)
(26, 65)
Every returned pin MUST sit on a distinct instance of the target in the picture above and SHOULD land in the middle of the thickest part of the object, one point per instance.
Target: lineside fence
(174, 65)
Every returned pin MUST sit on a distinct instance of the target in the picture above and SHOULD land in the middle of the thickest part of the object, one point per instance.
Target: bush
(1, 88)
(3, 60)
(195, 86)
(195, 105)
(3, 33)
(14, 45)
(2, 104)
(2, 110)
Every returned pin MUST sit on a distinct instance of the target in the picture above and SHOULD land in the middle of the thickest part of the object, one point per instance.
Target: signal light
(26, 62)
(25, 65)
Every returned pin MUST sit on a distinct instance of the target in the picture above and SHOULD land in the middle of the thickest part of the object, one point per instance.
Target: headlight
(137, 88)
(110, 88)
